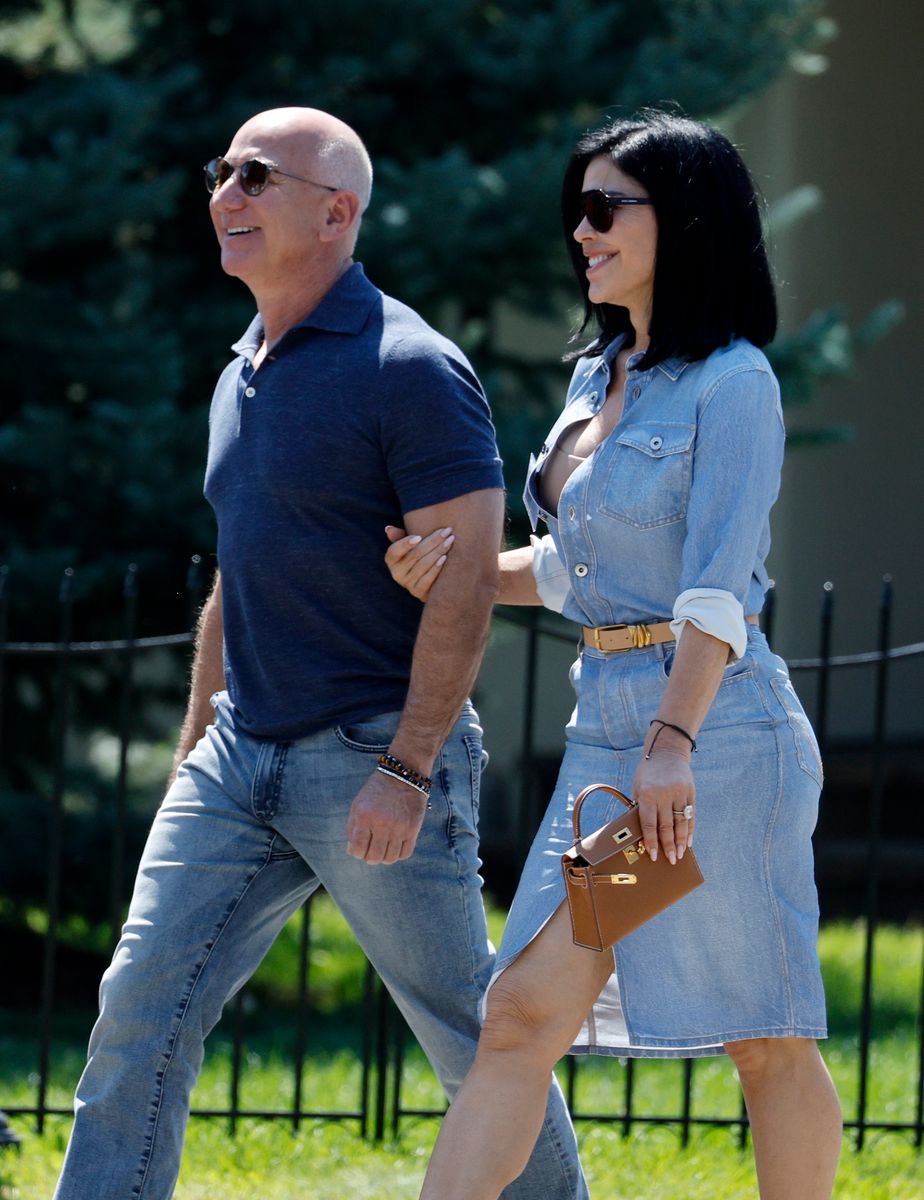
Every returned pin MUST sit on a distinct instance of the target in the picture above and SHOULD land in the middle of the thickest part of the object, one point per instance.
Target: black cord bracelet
(667, 725)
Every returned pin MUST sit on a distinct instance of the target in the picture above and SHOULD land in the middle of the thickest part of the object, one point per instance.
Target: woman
(656, 483)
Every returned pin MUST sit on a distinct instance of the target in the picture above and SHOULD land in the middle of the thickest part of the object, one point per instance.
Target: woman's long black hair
(712, 279)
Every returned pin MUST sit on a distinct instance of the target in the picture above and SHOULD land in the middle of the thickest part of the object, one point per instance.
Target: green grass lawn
(328, 1160)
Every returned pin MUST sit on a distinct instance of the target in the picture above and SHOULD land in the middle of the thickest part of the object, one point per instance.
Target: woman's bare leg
(795, 1116)
(534, 1012)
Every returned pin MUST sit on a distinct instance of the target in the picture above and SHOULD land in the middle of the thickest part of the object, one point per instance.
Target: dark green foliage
(111, 297)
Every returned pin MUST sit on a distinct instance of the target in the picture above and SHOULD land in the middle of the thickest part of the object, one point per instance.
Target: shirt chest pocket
(647, 477)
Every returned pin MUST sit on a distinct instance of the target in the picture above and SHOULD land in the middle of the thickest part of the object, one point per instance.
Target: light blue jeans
(247, 832)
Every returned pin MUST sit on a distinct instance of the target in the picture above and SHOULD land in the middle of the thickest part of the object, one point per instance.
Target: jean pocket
(477, 761)
(648, 481)
(372, 735)
(807, 753)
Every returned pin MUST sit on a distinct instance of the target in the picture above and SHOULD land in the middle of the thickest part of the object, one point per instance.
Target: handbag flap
(622, 834)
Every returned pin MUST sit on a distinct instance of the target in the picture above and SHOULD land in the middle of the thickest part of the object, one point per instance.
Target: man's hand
(385, 819)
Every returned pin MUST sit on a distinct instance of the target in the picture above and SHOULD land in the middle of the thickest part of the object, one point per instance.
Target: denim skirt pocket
(739, 699)
(806, 744)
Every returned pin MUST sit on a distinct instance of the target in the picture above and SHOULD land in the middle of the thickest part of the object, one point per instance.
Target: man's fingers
(358, 842)
(377, 851)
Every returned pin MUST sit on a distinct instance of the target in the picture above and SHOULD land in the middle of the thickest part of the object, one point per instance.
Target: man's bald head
(316, 143)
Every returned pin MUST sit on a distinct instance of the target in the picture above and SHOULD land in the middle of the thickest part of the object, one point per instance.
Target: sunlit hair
(346, 163)
(712, 279)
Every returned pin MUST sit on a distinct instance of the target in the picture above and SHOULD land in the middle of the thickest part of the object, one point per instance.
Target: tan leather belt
(610, 638)
(626, 637)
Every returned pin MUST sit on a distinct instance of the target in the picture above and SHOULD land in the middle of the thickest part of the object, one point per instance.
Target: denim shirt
(670, 513)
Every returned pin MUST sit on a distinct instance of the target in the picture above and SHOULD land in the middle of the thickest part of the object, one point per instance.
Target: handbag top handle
(595, 787)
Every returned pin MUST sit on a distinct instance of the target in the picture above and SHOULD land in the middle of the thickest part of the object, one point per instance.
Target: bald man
(328, 738)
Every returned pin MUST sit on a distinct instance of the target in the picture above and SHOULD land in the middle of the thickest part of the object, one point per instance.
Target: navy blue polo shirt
(360, 414)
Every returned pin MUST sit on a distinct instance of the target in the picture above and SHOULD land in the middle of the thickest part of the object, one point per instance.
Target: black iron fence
(381, 1103)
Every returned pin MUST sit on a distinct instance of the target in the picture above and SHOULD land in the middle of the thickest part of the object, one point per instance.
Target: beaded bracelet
(396, 769)
(667, 725)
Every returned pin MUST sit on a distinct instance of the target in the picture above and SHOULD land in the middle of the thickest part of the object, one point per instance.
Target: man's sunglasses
(254, 175)
(598, 207)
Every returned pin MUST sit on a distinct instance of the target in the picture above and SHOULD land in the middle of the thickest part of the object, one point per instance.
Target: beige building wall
(850, 513)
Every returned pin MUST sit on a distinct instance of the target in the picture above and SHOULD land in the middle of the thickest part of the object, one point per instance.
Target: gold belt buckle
(640, 634)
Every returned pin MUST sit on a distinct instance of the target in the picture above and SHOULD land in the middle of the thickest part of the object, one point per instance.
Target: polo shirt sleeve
(436, 429)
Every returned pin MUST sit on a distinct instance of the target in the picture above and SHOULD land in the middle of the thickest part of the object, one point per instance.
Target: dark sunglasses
(254, 175)
(598, 207)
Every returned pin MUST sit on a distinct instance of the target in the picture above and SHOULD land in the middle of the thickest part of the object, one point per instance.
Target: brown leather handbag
(610, 881)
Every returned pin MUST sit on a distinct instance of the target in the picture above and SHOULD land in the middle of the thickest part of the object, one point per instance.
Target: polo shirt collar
(343, 309)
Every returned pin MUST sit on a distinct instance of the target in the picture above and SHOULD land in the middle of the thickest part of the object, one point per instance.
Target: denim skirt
(736, 958)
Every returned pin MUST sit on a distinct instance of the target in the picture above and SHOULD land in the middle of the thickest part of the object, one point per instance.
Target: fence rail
(380, 1101)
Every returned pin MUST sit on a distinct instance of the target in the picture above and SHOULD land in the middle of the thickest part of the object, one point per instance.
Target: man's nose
(228, 194)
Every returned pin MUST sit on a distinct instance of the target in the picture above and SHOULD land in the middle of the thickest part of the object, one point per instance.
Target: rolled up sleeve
(737, 458)
(550, 572)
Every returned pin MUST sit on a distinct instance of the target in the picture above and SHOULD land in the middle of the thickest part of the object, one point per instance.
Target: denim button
(251, 391)
(656, 442)
(581, 570)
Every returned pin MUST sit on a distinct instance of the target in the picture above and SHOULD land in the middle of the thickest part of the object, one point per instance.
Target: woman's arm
(415, 564)
(517, 581)
(663, 784)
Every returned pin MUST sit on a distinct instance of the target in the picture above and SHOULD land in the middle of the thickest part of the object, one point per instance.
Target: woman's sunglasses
(254, 175)
(598, 207)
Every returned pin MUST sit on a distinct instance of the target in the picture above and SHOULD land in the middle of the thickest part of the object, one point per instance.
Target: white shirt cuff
(550, 572)
(715, 612)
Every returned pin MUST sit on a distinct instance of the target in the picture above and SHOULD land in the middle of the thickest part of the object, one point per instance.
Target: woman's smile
(596, 260)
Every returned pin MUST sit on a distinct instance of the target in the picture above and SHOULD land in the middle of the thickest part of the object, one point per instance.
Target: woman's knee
(758, 1058)
(518, 1020)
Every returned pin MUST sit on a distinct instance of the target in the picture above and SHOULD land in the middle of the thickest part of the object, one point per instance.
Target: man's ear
(342, 216)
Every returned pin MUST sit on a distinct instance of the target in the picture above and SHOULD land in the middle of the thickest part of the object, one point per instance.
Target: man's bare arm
(207, 676)
(386, 815)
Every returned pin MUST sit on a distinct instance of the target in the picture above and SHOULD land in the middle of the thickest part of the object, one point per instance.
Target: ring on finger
(686, 812)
